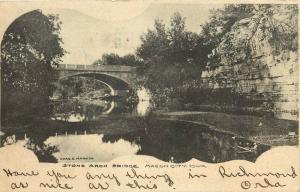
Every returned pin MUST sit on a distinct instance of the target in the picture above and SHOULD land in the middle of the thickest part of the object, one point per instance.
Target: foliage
(30, 48)
(172, 56)
(80, 86)
(115, 59)
(173, 45)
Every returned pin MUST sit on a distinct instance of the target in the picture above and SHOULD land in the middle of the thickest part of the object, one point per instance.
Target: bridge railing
(96, 67)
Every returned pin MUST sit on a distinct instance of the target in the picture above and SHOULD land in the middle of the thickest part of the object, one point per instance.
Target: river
(99, 130)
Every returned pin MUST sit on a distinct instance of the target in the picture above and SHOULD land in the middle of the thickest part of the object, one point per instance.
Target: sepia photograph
(211, 82)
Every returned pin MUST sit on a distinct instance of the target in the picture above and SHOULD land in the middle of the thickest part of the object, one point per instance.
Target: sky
(87, 35)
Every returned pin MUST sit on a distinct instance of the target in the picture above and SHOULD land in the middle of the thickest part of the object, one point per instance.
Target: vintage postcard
(149, 96)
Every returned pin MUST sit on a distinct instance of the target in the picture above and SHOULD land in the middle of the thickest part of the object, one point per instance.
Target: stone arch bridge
(118, 78)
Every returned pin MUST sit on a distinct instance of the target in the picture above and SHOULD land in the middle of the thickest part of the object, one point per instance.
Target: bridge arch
(113, 83)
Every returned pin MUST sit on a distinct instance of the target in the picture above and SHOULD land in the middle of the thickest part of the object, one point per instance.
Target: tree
(174, 45)
(115, 59)
(30, 48)
(172, 54)
(173, 57)
(155, 43)
(111, 59)
(131, 60)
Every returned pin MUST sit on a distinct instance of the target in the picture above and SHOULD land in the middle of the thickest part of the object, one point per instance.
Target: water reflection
(144, 105)
(73, 110)
(176, 141)
(80, 109)
(171, 141)
(92, 148)
(102, 129)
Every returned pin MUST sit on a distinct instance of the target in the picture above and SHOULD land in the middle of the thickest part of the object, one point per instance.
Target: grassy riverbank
(265, 130)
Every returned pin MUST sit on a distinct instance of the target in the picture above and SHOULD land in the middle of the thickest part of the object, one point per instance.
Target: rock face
(268, 80)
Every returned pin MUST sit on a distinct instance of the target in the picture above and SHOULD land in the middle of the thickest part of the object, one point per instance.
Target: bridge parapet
(118, 68)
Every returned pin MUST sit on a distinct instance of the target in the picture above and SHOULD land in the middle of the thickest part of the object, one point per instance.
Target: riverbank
(261, 129)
